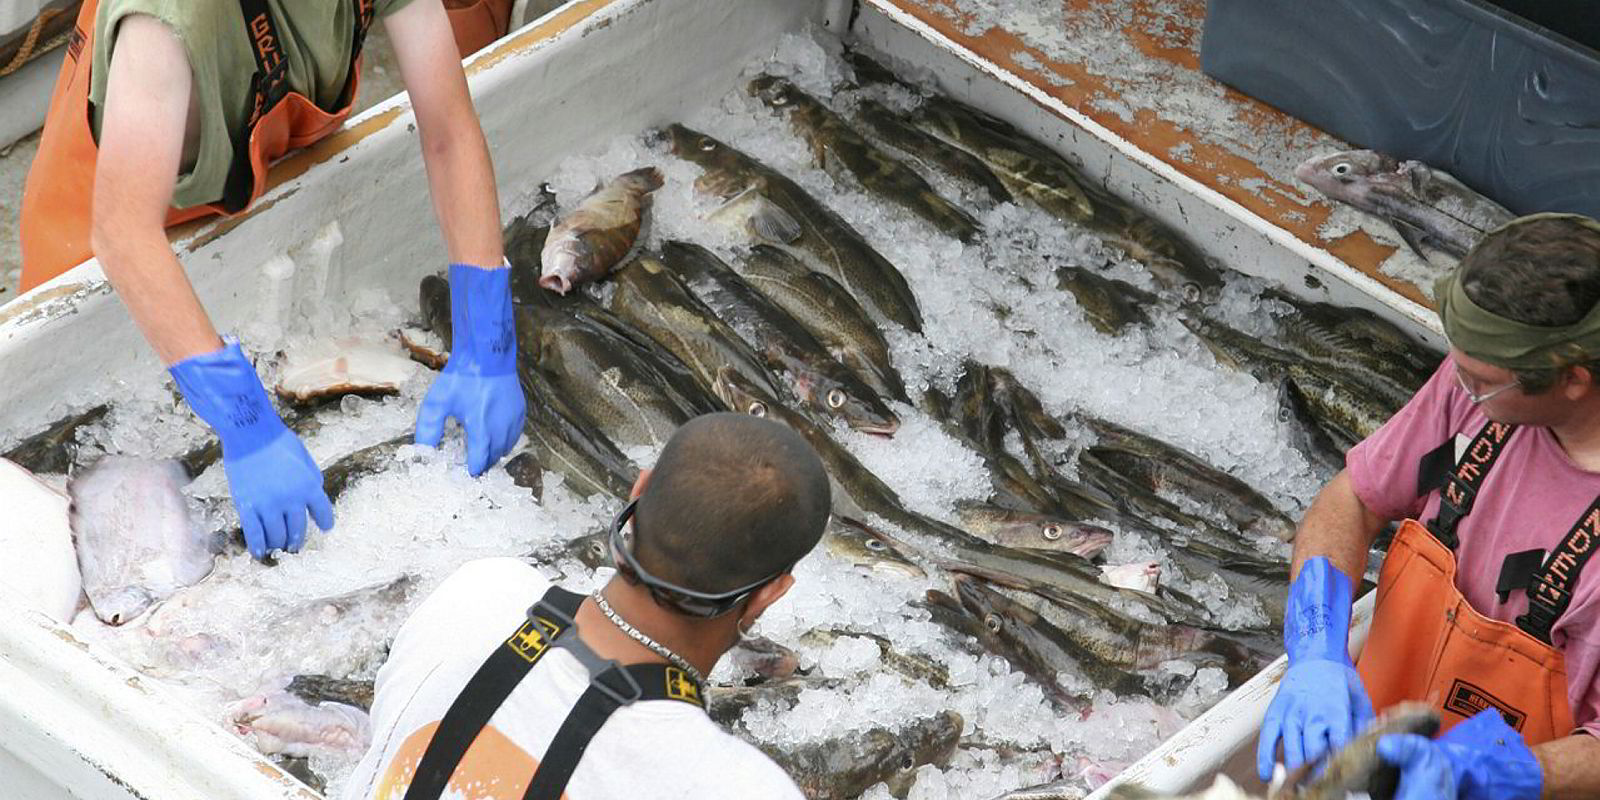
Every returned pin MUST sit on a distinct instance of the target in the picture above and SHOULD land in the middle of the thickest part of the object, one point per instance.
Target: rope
(27, 52)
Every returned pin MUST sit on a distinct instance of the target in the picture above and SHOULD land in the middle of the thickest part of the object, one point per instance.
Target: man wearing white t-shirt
(502, 687)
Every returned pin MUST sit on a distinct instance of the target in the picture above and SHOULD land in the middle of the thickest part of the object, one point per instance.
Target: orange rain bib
(58, 196)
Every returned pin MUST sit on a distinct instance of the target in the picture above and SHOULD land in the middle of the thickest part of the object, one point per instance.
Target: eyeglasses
(687, 601)
(1479, 399)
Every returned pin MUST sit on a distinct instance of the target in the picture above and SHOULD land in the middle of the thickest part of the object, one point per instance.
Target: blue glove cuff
(224, 390)
(485, 337)
(1317, 620)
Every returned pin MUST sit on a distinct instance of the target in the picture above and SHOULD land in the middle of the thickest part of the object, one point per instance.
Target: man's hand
(479, 385)
(1483, 758)
(272, 478)
(1321, 702)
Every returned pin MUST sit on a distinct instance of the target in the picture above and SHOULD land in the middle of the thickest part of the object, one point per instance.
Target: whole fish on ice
(1427, 206)
(599, 232)
(137, 541)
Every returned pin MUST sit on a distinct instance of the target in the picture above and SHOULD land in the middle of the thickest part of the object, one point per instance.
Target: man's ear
(1579, 383)
(766, 596)
(639, 483)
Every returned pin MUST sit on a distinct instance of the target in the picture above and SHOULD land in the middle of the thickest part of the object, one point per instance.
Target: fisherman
(500, 679)
(1480, 610)
(170, 111)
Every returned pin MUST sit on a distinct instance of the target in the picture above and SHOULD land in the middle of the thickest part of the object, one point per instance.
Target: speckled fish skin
(837, 147)
(137, 542)
(842, 768)
(1013, 528)
(827, 310)
(826, 387)
(800, 224)
(592, 239)
(1427, 206)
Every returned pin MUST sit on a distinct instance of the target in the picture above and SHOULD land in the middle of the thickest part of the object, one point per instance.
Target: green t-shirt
(316, 42)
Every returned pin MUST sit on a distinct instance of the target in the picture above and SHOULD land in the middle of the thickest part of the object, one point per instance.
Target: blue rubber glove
(272, 478)
(1485, 757)
(1425, 772)
(1321, 703)
(479, 385)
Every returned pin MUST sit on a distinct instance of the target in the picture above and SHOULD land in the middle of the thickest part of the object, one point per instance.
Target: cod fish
(827, 387)
(1355, 769)
(599, 232)
(827, 311)
(328, 370)
(777, 211)
(137, 541)
(932, 151)
(1012, 528)
(52, 449)
(845, 767)
(838, 149)
(1428, 207)
(316, 689)
(866, 548)
(1109, 305)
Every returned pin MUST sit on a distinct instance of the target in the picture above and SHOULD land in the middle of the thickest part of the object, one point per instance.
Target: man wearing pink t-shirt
(1494, 468)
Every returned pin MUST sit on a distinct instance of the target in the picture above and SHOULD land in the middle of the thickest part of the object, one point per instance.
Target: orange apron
(1427, 643)
(57, 198)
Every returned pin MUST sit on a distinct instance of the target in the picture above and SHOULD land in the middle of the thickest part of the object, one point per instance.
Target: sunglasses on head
(686, 601)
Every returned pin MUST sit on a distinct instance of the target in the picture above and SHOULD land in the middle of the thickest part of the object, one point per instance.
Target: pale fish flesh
(39, 567)
(137, 541)
(347, 366)
(282, 724)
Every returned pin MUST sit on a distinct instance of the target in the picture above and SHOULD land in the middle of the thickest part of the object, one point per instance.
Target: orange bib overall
(58, 197)
(1428, 644)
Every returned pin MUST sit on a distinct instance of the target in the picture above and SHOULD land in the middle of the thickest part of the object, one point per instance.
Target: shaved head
(732, 499)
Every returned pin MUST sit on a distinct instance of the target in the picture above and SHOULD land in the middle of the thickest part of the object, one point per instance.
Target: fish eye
(908, 762)
(757, 408)
(874, 544)
(1052, 531)
(1342, 168)
(707, 145)
(992, 622)
(836, 398)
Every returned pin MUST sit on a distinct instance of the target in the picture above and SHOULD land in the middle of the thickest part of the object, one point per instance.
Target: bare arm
(141, 142)
(460, 175)
(1571, 767)
(1339, 526)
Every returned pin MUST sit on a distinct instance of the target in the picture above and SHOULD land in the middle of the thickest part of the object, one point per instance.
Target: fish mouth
(895, 568)
(884, 428)
(556, 283)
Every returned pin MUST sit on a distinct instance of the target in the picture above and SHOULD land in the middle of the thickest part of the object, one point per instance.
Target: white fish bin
(350, 220)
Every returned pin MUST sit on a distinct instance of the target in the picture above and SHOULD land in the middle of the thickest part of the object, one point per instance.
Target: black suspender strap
(551, 623)
(489, 687)
(1461, 486)
(608, 691)
(1552, 587)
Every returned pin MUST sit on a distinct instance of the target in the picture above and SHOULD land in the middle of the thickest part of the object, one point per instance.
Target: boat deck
(1133, 67)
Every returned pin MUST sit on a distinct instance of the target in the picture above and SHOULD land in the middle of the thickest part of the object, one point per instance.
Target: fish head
(566, 261)
(988, 606)
(1346, 176)
(775, 91)
(868, 549)
(895, 756)
(851, 402)
(641, 181)
(740, 395)
(593, 550)
(1075, 537)
(724, 166)
(119, 605)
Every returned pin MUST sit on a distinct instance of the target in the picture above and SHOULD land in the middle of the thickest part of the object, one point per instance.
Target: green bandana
(1510, 344)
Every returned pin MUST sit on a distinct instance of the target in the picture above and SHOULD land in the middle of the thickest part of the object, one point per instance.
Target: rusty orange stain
(1173, 41)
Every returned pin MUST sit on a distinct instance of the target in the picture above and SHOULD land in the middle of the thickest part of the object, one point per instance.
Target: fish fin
(1413, 236)
(773, 224)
